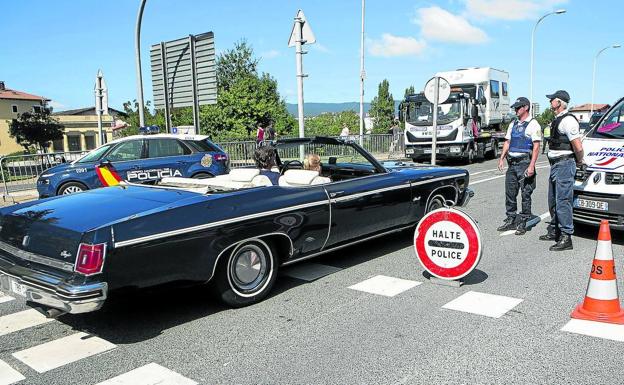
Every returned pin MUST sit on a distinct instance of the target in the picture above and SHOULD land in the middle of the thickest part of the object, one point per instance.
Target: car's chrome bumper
(468, 194)
(51, 291)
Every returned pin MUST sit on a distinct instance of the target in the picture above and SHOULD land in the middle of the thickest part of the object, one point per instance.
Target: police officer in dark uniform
(521, 149)
(565, 154)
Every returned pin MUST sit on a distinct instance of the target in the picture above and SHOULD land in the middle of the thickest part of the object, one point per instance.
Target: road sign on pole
(301, 34)
(101, 103)
(448, 243)
(437, 90)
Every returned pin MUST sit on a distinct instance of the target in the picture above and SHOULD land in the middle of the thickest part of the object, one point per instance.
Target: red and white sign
(448, 243)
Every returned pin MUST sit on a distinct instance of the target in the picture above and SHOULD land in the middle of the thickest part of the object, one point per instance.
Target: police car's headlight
(46, 175)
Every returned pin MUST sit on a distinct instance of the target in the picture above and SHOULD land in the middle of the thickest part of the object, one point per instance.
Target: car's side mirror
(332, 160)
(105, 163)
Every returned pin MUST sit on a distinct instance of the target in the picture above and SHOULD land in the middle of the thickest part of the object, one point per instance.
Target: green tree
(131, 108)
(235, 64)
(546, 117)
(409, 91)
(382, 108)
(36, 129)
(330, 123)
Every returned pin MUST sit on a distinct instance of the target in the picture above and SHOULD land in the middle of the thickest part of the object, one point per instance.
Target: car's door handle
(336, 194)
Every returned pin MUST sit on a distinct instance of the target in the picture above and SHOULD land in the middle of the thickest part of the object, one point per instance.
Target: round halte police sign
(448, 243)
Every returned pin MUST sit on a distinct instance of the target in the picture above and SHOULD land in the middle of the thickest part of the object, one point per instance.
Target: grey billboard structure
(189, 67)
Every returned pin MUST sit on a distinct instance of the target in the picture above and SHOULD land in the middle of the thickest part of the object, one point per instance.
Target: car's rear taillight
(90, 259)
(220, 157)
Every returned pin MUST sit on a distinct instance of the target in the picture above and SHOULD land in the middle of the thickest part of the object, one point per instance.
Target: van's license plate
(18, 288)
(589, 204)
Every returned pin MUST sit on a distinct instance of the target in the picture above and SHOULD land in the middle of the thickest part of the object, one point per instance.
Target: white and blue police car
(137, 159)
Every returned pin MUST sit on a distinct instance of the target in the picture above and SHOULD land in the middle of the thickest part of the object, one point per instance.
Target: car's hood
(604, 154)
(58, 168)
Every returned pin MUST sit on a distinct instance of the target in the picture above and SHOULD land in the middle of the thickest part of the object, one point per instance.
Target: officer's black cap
(560, 94)
(520, 102)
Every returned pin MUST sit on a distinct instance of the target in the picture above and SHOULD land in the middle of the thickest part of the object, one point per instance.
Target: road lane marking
(150, 374)
(63, 351)
(383, 285)
(309, 271)
(595, 329)
(8, 375)
(21, 320)
(489, 305)
(496, 177)
(509, 232)
(496, 169)
(5, 298)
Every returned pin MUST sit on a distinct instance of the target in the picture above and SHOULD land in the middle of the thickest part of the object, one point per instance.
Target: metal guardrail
(20, 172)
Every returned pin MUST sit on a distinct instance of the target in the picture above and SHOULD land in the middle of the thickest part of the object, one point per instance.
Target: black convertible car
(66, 254)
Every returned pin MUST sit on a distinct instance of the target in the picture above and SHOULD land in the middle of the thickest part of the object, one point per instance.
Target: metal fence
(20, 172)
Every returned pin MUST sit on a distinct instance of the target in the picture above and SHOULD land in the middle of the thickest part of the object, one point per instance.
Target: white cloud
(510, 9)
(270, 54)
(441, 25)
(390, 45)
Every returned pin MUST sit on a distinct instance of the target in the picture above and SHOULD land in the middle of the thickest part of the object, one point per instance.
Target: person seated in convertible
(312, 162)
(265, 158)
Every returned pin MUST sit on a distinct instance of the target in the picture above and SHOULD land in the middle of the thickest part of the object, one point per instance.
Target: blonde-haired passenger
(312, 162)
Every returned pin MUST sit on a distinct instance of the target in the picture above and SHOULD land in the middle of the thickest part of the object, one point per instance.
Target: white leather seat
(297, 178)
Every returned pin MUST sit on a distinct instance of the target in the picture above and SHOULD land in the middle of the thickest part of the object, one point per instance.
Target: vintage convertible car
(68, 253)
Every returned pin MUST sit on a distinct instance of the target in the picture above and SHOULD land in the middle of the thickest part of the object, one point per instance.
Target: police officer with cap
(565, 154)
(521, 149)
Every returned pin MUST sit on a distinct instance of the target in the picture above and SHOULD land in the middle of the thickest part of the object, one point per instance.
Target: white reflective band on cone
(599, 289)
(604, 251)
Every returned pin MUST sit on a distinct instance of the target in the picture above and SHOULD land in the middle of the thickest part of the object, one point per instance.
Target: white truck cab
(599, 190)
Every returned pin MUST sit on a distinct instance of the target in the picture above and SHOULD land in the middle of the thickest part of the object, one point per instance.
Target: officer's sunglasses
(517, 108)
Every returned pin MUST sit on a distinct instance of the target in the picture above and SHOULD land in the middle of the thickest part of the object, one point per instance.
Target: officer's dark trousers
(516, 181)
(560, 195)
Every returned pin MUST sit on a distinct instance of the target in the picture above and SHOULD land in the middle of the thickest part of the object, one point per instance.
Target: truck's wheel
(493, 153)
(248, 274)
(470, 156)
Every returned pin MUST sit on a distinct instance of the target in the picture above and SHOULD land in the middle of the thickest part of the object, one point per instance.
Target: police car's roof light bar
(149, 130)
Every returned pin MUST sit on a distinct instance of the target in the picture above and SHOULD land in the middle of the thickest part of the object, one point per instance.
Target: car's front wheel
(71, 188)
(248, 274)
(202, 175)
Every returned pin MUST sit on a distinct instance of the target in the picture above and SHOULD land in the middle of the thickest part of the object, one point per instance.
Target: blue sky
(54, 48)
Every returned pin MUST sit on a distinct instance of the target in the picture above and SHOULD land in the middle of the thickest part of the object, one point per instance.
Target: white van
(599, 191)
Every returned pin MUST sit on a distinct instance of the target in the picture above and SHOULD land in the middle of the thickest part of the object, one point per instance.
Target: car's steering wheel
(291, 164)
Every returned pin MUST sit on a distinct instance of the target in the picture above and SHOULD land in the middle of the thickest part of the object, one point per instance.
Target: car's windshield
(421, 113)
(330, 154)
(612, 126)
(203, 145)
(94, 155)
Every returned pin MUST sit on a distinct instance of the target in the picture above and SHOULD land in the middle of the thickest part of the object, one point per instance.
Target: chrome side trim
(377, 191)
(330, 221)
(216, 224)
(345, 245)
(32, 257)
(435, 179)
(431, 195)
(236, 244)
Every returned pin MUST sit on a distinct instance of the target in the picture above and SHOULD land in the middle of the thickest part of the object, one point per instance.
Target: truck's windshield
(612, 126)
(421, 113)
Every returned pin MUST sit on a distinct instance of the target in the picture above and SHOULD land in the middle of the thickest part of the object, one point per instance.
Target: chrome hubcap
(249, 267)
(72, 190)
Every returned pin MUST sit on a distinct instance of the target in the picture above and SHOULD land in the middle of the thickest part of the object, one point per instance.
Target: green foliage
(382, 109)
(236, 64)
(409, 91)
(330, 123)
(132, 111)
(546, 117)
(35, 129)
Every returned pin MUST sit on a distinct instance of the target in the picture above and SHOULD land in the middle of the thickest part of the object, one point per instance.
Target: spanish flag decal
(107, 176)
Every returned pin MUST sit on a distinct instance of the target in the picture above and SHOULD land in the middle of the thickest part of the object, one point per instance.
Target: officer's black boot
(564, 243)
(521, 228)
(551, 235)
(508, 224)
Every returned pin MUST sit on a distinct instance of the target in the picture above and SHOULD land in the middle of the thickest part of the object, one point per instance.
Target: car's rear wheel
(437, 202)
(72, 188)
(202, 175)
(248, 274)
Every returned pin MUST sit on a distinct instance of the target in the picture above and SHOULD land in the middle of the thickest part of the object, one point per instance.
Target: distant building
(536, 109)
(583, 111)
(13, 103)
(81, 128)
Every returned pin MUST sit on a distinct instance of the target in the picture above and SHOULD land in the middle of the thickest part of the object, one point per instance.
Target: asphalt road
(319, 331)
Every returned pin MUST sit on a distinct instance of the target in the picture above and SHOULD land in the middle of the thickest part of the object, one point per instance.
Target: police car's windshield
(94, 155)
(612, 126)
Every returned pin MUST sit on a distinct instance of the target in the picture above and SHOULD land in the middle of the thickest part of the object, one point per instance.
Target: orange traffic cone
(601, 302)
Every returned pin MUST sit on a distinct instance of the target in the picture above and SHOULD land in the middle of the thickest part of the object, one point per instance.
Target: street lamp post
(594, 76)
(557, 12)
(137, 46)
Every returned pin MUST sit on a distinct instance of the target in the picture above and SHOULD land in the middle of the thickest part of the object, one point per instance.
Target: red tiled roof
(19, 95)
(587, 107)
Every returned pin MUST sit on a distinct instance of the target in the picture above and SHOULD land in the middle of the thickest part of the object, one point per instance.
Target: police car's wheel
(202, 175)
(71, 188)
(248, 274)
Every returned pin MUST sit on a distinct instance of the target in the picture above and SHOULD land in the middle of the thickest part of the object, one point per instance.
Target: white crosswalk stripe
(63, 351)
(489, 305)
(8, 375)
(150, 374)
(383, 285)
(21, 320)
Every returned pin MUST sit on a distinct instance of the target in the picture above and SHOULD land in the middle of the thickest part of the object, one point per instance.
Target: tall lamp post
(137, 47)
(594, 75)
(557, 12)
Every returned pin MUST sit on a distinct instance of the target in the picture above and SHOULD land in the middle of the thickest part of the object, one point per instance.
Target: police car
(599, 189)
(138, 159)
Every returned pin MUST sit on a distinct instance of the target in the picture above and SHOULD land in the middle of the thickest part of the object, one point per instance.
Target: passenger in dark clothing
(265, 156)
